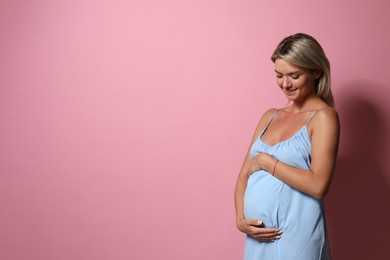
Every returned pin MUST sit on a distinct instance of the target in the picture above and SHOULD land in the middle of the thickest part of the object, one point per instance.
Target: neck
(310, 103)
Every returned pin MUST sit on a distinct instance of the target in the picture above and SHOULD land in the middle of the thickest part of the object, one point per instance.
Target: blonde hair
(304, 51)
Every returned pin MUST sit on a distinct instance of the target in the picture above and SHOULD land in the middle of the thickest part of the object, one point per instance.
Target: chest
(283, 127)
(295, 151)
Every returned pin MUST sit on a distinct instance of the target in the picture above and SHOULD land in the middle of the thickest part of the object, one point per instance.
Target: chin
(290, 98)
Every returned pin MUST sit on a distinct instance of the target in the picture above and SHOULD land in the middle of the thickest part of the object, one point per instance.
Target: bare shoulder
(266, 117)
(263, 121)
(327, 120)
(326, 115)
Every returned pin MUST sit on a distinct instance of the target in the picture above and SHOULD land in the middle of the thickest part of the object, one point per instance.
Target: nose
(285, 82)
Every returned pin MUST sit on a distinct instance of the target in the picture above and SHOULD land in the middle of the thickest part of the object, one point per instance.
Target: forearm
(308, 181)
(239, 196)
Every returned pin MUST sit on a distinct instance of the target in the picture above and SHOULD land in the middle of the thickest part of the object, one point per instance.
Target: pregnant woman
(288, 168)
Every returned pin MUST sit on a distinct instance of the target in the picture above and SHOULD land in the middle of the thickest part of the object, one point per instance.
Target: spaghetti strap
(313, 114)
(269, 121)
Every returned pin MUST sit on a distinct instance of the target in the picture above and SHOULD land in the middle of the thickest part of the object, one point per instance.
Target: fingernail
(277, 237)
(280, 232)
(259, 222)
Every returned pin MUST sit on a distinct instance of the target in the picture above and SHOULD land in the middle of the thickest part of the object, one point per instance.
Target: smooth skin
(298, 85)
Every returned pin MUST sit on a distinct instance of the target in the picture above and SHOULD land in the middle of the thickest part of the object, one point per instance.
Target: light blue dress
(299, 216)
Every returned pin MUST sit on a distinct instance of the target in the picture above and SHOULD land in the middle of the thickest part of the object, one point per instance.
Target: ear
(317, 74)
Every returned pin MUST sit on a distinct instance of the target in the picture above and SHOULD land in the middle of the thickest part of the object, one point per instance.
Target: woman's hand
(262, 161)
(256, 230)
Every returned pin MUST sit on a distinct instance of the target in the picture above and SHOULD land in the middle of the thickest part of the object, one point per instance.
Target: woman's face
(296, 83)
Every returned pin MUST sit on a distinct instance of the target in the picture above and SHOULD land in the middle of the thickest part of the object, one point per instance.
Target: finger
(264, 233)
(267, 240)
(276, 235)
(267, 236)
(262, 238)
(254, 222)
(261, 230)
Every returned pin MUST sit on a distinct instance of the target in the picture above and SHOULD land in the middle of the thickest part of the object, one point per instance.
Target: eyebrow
(294, 72)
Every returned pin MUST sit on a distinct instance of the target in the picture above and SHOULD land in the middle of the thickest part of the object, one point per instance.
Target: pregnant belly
(263, 197)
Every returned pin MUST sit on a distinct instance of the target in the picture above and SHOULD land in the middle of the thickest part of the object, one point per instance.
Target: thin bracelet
(273, 172)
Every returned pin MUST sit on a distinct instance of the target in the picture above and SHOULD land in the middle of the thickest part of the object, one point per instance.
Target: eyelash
(292, 76)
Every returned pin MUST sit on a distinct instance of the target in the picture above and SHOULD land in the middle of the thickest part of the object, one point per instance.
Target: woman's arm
(250, 226)
(324, 131)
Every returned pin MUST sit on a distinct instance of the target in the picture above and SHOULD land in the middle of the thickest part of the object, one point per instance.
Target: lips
(289, 92)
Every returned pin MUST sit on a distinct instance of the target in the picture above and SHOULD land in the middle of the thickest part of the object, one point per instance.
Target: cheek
(279, 82)
(299, 83)
(306, 84)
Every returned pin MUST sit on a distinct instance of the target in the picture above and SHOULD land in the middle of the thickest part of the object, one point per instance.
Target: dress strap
(313, 114)
(269, 121)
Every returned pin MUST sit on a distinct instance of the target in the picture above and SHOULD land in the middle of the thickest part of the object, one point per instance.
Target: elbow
(320, 187)
(320, 192)
(318, 195)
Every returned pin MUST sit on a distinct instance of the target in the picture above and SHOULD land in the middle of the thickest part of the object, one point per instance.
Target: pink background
(124, 123)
